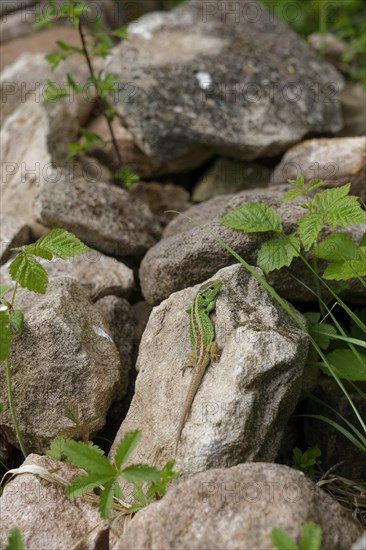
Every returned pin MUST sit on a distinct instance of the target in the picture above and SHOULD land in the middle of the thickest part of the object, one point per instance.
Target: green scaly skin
(204, 347)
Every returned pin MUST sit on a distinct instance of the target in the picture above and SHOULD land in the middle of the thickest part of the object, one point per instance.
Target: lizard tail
(186, 408)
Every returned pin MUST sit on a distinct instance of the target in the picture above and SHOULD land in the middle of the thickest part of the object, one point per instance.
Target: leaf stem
(13, 295)
(100, 99)
(12, 407)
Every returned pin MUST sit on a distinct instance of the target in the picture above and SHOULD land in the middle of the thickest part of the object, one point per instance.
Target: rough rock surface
(98, 274)
(64, 355)
(13, 232)
(334, 160)
(102, 215)
(353, 101)
(45, 516)
(188, 255)
(360, 544)
(237, 508)
(161, 198)
(201, 81)
(224, 427)
(229, 176)
(118, 314)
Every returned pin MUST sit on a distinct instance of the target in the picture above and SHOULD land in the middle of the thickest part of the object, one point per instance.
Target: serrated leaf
(282, 540)
(298, 182)
(126, 447)
(17, 320)
(29, 273)
(118, 491)
(106, 500)
(37, 251)
(5, 335)
(140, 473)
(138, 494)
(278, 253)
(61, 243)
(337, 246)
(347, 212)
(56, 448)
(253, 217)
(71, 411)
(363, 241)
(343, 271)
(15, 541)
(4, 289)
(292, 194)
(84, 484)
(346, 364)
(88, 458)
(314, 184)
(327, 199)
(311, 537)
(309, 229)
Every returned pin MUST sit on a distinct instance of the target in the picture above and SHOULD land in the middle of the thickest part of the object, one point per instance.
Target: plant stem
(12, 408)
(13, 295)
(100, 99)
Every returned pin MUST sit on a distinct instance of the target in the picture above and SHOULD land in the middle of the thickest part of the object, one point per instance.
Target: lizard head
(209, 291)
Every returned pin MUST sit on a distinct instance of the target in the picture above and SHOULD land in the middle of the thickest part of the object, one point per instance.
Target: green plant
(148, 482)
(305, 462)
(95, 43)
(311, 538)
(26, 271)
(15, 541)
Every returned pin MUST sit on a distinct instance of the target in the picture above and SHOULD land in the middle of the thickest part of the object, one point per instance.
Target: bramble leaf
(126, 447)
(311, 537)
(326, 200)
(343, 271)
(282, 541)
(337, 246)
(29, 273)
(346, 212)
(253, 217)
(298, 182)
(346, 364)
(320, 332)
(4, 289)
(61, 243)
(17, 320)
(309, 229)
(278, 253)
(292, 194)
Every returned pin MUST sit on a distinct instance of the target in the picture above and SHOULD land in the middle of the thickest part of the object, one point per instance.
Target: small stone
(161, 198)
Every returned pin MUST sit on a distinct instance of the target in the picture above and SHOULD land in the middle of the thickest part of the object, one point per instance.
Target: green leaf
(29, 273)
(5, 335)
(4, 289)
(343, 271)
(309, 229)
(292, 194)
(35, 251)
(138, 494)
(363, 241)
(54, 59)
(90, 137)
(311, 537)
(282, 540)
(84, 484)
(61, 243)
(121, 32)
(71, 82)
(15, 541)
(337, 246)
(126, 447)
(278, 253)
(17, 320)
(68, 48)
(89, 458)
(346, 364)
(253, 217)
(140, 473)
(57, 448)
(347, 212)
(326, 200)
(320, 332)
(314, 184)
(106, 499)
(298, 182)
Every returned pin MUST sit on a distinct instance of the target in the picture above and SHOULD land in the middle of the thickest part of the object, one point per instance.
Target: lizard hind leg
(191, 362)
(213, 350)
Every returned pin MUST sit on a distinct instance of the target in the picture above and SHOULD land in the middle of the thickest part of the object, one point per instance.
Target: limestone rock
(360, 544)
(262, 358)
(353, 101)
(64, 355)
(45, 516)
(197, 81)
(335, 160)
(237, 508)
(102, 215)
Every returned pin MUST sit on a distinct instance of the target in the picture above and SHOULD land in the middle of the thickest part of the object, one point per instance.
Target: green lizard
(204, 347)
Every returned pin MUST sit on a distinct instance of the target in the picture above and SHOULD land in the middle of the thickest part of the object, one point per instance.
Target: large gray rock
(237, 508)
(13, 233)
(102, 215)
(64, 355)
(202, 81)
(45, 516)
(360, 544)
(188, 255)
(334, 160)
(262, 358)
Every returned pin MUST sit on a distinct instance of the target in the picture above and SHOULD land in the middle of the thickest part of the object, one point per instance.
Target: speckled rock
(334, 160)
(260, 369)
(102, 215)
(161, 198)
(187, 255)
(64, 355)
(201, 81)
(236, 509)
(45, 516)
